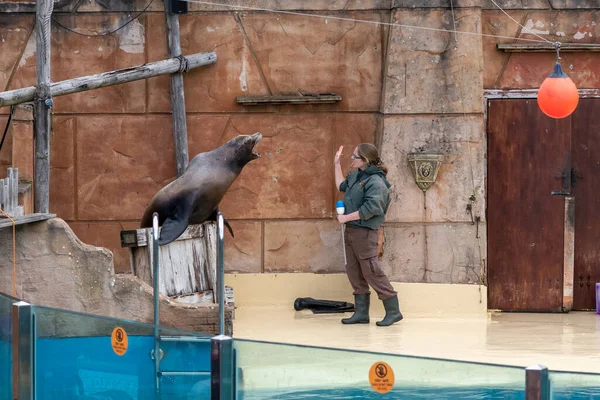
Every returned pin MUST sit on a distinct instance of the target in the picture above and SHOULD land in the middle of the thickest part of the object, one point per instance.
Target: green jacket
(368, 192)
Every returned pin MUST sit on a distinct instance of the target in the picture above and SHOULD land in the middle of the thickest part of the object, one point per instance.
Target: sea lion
(194, 197)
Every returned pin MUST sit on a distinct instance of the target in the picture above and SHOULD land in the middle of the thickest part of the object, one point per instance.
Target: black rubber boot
(392, 312)
(361, 307)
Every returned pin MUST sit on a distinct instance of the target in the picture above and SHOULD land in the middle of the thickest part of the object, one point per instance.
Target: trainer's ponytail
(370, 154)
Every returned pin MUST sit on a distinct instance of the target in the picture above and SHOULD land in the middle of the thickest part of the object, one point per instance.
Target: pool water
(474, 393)
(88, 369)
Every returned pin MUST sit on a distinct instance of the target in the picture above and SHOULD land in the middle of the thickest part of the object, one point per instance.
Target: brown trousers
(364, 267)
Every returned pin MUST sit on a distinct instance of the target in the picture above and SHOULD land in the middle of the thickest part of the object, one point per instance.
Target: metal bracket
(161, 354)
(22, 351)
(178, 7)
(222, 368)
(537, 383)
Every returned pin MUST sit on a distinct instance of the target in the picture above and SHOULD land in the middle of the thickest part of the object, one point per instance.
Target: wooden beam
(531, 93)
(42, 105)
(289, 99)
(25, 219)
(112, 78)
(177, 92)
(548, 47)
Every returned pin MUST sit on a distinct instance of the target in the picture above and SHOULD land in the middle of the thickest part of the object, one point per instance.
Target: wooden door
(528, 159)
(586, 180)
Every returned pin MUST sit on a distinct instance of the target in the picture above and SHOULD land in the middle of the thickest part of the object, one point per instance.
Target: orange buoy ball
(558, 96)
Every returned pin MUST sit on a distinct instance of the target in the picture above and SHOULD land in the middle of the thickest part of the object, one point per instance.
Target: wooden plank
(289, 99)
(207, 297)
(531, 93)
(177, 93)
(41, 193)
(25, 219)
(143, 265)
(138, 237)
(548, 47)
(112, 78)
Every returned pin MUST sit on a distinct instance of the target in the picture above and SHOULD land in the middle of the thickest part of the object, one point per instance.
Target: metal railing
(222, 352)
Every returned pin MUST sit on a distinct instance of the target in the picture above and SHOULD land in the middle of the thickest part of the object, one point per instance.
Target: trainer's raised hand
(336, 159)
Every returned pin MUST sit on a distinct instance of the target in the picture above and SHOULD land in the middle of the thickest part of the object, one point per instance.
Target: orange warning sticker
(119, 341)
(381, 377)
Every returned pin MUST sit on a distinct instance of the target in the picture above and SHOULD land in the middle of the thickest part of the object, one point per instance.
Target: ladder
(222, 361)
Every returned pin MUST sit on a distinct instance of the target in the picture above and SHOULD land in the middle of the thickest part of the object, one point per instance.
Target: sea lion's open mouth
(257, 137)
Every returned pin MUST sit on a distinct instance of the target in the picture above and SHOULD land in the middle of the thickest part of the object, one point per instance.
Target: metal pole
(221, 368)
(537, 383)
(344, 243)
(156, 303)
(221, 272)
(23, 367)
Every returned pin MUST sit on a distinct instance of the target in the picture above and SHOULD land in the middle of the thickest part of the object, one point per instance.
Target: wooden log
(112, 78)
(42, 107)
(177, 93)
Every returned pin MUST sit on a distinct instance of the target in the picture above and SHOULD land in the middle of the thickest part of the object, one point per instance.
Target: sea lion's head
(243, 148)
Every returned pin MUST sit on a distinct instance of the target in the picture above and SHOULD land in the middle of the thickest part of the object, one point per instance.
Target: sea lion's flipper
(175, 224)
(171, 230)
(228, 227)
(213, 217)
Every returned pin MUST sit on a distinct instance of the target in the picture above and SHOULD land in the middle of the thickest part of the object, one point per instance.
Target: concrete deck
(564, 342)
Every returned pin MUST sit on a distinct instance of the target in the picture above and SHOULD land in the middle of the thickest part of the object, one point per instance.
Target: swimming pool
(409, 393)
(78, 356)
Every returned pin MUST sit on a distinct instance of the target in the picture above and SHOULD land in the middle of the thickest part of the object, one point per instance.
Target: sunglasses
(356, 157)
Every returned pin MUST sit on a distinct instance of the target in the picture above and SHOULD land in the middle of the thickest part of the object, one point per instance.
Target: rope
(364, 21)
(104, 33)
(530, 31)
(14, 236)
(184, 65)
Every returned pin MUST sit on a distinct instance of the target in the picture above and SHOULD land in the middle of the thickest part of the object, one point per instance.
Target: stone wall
(404, 89)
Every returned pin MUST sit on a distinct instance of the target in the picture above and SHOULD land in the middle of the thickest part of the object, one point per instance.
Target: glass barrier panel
(280, 371)
(574, 385)
(80, 356)
(6, 303)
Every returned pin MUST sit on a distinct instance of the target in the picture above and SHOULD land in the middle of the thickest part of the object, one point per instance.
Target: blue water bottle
(339, 207)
